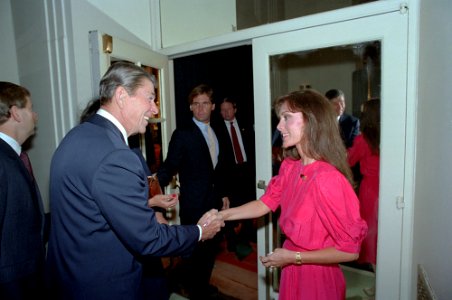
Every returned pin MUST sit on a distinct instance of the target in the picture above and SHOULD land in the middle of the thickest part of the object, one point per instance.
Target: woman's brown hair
(370, 124)
(321, 139)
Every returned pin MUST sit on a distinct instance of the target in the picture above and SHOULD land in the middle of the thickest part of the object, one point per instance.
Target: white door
(390, 31)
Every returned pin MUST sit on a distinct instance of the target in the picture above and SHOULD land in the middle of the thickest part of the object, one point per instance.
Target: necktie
(212, 145)
(26, 160)
(236, 145)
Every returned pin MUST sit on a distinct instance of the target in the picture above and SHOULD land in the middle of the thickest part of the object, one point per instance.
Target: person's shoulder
(349, 116)
(289, 163)
(185, 128)
(353, 118)
(323, 170)
(185, 132)
(359, 139)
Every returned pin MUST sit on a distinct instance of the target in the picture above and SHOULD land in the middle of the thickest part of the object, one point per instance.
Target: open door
(273, 78)
(106, 49)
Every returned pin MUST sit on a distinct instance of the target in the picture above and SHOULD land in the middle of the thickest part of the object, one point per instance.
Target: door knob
(261, 185)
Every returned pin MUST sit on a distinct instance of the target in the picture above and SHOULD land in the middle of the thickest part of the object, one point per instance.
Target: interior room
(397, 50)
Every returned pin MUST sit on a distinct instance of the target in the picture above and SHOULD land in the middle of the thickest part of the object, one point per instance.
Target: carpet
(244, 257)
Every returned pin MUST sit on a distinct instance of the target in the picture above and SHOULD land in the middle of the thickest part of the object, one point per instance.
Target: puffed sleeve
(272, 195)
(338, 210)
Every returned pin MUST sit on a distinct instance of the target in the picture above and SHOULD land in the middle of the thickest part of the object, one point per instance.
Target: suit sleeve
(120, 190)
(173, 160)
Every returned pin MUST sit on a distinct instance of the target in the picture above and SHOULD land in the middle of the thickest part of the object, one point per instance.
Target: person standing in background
(366, 152)
(193, 154)
(99, 193)
(22, 221)
(319, 208)
(348, 124)
(238, 172)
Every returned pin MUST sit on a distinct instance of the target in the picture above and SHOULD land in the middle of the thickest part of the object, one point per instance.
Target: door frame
(392, 30)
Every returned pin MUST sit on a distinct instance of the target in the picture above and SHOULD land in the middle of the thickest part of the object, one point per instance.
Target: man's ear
(14, 113)
(120, 96)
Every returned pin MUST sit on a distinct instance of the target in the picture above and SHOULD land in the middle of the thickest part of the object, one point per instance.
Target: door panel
(390, 31)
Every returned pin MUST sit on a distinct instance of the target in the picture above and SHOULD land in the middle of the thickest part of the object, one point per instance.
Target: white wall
(195, 20)
(53, 62)
(133, 15)
(86, 18)
(433, 193)
(8, 59)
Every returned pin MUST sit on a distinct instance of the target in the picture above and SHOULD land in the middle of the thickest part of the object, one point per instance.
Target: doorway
(272, 78)
(229, 73)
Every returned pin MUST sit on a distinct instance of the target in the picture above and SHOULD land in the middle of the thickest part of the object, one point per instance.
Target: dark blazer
(200, 189)
(100, 219)
(239, 179)
(349, 126)
(21, 219)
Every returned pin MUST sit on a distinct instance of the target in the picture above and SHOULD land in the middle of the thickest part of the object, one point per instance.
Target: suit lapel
(9, 152)
(197, 134)
(5, 148)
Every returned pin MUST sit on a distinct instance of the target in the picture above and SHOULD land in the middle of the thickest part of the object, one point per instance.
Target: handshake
(211, 223)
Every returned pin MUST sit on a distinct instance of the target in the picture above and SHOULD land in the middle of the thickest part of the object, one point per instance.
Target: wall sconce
(107, 43)
(305, 86)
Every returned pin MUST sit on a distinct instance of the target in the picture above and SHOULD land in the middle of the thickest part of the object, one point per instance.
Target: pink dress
(319, 209)
(369, 166)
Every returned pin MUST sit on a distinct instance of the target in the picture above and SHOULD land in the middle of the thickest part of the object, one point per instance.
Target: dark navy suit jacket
(21, 219)
(349, 126)
(100, 220)
(240, 179)
(200, 186)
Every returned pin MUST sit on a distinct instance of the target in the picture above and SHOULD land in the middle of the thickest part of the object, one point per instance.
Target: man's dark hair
(333, 93)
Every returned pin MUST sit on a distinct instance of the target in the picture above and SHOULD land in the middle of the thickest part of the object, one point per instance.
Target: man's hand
(211, 223)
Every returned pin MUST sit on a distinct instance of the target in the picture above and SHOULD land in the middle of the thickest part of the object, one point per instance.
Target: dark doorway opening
(230, 74)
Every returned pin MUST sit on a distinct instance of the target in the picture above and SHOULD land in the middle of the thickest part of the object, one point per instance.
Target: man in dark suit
(154, 281)
(348, 124)
(22, 250)
(101, 221)
(193, 154)
(238, 173)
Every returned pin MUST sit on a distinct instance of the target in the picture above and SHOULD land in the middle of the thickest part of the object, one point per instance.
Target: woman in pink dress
(319, 208)
(366, 151)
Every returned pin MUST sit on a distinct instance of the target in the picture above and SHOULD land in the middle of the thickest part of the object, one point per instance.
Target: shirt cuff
(200, 232)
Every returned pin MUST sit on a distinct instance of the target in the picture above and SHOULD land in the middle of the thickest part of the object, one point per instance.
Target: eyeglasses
(199, 104)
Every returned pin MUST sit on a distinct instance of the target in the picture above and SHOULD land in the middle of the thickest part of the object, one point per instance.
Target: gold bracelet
(298, 258)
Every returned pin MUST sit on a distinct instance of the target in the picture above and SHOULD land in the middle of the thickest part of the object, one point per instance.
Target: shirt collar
(115, 121)
(229, 122)
(200, 124)
(12, 142)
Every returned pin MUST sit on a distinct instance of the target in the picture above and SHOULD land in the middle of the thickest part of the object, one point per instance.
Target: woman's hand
(163, 201)
(279, 258)
(160, 218)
